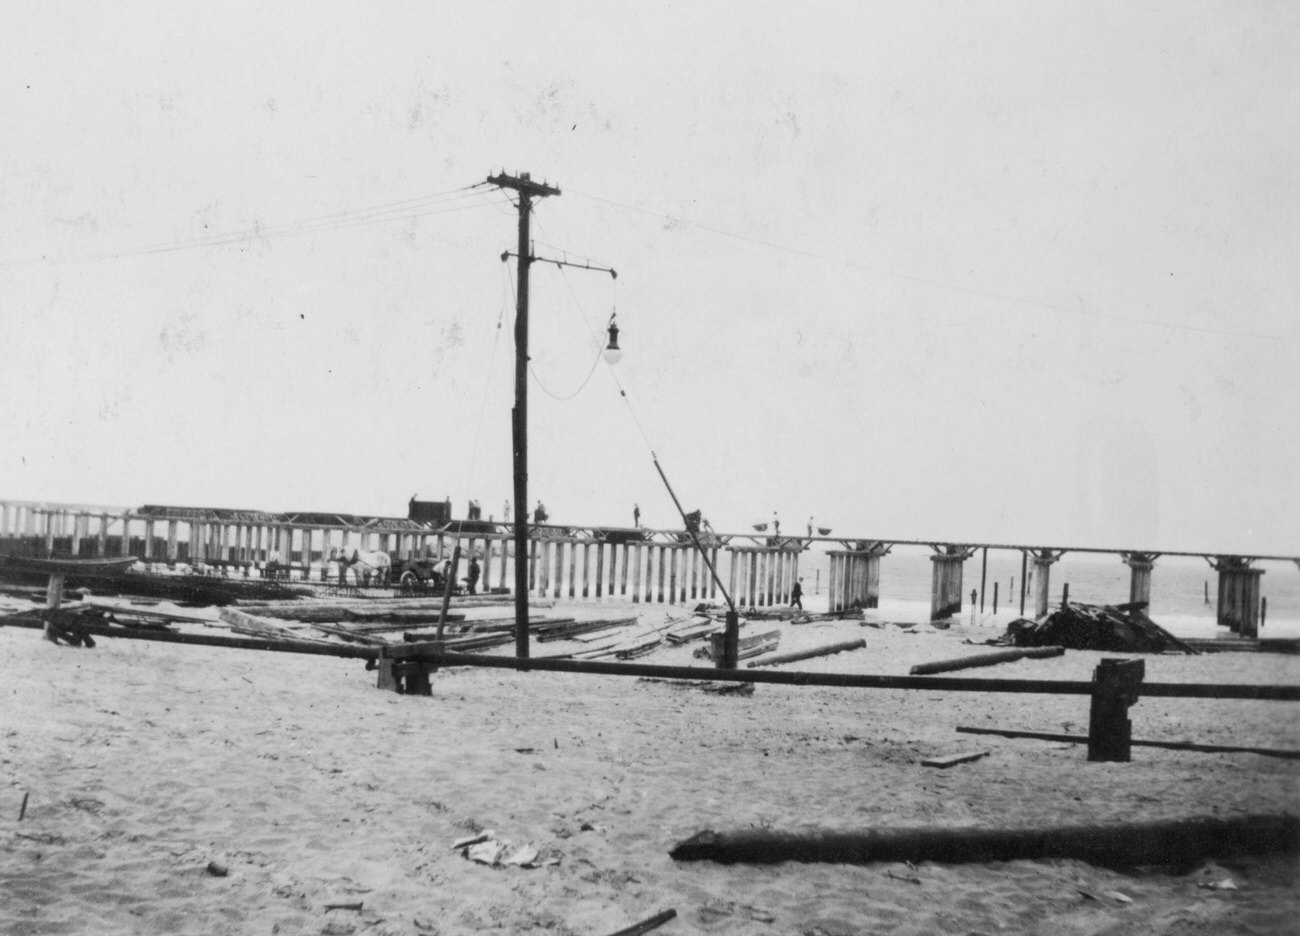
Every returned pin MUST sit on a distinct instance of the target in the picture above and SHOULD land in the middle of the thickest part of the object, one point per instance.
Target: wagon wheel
(409, 581)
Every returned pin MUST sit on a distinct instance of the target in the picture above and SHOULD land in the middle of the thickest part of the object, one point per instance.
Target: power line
(405, 209)
(928, 281)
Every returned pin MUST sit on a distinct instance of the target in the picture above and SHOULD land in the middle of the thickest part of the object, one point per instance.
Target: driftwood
(645, 926)
(984, 659)
(826, 650)
(1168, 745)
(952, 760)
(1134, 844)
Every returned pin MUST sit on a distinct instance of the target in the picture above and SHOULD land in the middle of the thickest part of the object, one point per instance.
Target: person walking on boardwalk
(472, 577)
(796, 595)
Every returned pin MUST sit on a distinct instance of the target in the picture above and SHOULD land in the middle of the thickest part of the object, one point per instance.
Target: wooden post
(995, 596)
(984, 572)
(663, 556)
(1024, 562)
(600, 569)
(730, 642)
(53, 598)
(636, 573)
(558, 592)
(1116, 686)
(674, 558)
(623, 571)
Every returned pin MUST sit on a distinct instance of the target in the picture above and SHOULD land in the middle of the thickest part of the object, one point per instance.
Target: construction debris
(1112, 628)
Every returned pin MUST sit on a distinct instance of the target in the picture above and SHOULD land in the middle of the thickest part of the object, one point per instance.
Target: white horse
(368, 567)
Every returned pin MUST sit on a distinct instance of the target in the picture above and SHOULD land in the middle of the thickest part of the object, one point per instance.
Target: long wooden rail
(437, 658)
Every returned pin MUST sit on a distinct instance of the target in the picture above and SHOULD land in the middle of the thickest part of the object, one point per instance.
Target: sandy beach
(148, 769)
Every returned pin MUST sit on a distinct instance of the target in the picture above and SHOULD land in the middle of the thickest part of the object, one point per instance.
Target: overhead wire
(405, 209)
(586, 321)
(931, 281)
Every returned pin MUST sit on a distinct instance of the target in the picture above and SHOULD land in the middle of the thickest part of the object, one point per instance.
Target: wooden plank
(951, 760)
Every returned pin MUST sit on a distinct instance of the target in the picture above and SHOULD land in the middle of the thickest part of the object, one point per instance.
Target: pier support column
(855, 576)
(945, 579)
(1141, 564)
(1043, 561)
(148, 539)
(1238, 608)
(172, 527)
(75, 548)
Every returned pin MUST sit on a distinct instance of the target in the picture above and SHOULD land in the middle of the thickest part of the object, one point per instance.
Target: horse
(366, 566)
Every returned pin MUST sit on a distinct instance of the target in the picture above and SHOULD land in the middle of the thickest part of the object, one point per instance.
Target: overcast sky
(1002, 272)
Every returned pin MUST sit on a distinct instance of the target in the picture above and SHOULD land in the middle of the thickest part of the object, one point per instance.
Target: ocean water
(1179, 585)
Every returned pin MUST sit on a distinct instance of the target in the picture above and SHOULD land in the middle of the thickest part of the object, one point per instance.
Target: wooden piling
(946, 580)
(1239, 594)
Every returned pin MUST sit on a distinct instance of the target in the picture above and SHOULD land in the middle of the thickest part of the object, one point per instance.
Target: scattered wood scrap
(1113, 628)
(809, 617)
(645, 926)
(951, 760)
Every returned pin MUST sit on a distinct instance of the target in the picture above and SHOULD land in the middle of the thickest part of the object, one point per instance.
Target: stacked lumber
(1112, 628)
(746, 647)
(573, 629)
(243, 623)
(695, 630)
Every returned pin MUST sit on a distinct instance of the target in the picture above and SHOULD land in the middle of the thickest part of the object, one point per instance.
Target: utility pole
(527, 189)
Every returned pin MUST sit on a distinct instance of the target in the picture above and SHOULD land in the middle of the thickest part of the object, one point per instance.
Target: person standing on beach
(796, 595)
(472, 577)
